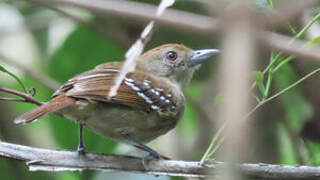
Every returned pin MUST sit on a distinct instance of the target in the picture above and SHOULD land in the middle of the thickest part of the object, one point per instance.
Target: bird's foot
(81, 150)
(152, 155)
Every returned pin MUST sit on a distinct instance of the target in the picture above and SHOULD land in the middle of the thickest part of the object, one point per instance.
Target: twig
(137, 48)
(281, 92)
(39, 77)
(39, 159)
(261, 103)
(26, 97)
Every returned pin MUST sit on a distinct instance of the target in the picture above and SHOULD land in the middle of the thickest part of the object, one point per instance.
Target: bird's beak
(200, 56)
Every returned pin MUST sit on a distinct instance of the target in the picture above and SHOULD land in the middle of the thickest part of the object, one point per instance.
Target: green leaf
(314, 42)
(258, 76)
(14, 76)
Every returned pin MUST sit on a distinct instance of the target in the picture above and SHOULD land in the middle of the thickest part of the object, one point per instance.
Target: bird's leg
(81, 148)
(152, 153)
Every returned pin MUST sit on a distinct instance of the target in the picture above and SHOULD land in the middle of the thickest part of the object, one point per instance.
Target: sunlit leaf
(258, 76)
(314, 42)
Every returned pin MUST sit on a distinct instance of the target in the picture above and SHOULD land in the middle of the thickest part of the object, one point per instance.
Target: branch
(142, 11)
(286, 45)
(25, 97)
(38, 159)
(185, 21)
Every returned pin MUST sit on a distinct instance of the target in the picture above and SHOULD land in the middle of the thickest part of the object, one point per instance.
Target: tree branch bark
(38, 159)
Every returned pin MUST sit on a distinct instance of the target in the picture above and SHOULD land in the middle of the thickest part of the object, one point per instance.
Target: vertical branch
(237, 59)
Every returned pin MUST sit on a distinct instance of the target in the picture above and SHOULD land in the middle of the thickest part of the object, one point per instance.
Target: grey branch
(190, 21)
(38, 159)
(286, 45)
(142, 11)
(178, 19)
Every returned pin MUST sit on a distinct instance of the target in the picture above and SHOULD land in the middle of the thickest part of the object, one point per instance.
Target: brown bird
(149, 102)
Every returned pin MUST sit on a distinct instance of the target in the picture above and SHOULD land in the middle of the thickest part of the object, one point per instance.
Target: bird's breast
(114, 121)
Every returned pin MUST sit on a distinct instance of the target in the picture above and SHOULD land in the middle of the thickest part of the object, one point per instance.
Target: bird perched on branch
(149, 101)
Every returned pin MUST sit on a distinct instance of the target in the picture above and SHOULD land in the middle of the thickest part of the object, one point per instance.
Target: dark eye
(171, 55)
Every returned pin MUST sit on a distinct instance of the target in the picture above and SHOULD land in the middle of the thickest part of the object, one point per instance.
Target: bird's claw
(152, 155)
(81, 150)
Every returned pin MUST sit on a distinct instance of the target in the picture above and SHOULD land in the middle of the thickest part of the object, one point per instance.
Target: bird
(149, 102)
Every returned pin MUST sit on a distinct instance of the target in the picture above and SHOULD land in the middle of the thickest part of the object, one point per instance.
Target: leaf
(258, 76)
(14, 76)
(314, 42)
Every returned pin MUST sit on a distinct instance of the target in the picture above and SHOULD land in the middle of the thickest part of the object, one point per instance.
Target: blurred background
(42, 39)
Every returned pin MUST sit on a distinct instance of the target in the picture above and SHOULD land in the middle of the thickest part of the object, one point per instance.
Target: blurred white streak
(137, 48)
(163, 6)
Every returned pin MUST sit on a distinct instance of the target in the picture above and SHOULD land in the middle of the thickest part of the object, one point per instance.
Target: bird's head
(175, 62)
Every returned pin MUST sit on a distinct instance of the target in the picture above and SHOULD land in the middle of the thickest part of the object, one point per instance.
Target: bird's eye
(171, 56)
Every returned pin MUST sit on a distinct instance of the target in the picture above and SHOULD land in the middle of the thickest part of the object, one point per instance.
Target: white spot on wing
(155, 92)
(133, 86)
(146, 84)
(159, 89)
(129, 80)
(147, 99)
(154, 107)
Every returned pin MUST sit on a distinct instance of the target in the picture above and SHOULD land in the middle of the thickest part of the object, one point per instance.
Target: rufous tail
(55, 104)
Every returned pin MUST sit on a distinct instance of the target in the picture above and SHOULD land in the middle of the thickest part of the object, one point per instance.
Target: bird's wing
(137, 90)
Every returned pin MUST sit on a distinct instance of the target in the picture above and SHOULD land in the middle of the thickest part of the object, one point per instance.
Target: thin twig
(26, 97)
(281, 92)
(261, 103)
(137, 48)
(39, 77)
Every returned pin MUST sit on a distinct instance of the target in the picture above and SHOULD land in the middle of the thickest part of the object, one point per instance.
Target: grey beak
(200, 56)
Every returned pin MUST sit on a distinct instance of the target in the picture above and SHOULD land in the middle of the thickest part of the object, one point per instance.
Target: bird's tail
(55, 104)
